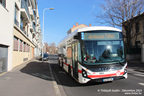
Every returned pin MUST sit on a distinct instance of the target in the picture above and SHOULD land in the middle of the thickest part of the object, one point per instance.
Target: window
(3, 2)
(25, 47)
(16, 15)
(28, 48)
(16, 12)
(21, 43)
(69, 50)
(137, 44)
(15, 44)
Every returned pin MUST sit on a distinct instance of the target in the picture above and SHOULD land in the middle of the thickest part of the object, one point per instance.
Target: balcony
(33, 3)
(38, 22)
(32, 27)
(30, 11)
(21, 27)
(34, 42)
(16, 22)
(24, 11)
(38, 30)
(34, 14)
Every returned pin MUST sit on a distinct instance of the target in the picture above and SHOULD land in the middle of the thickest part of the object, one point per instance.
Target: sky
(66, 13)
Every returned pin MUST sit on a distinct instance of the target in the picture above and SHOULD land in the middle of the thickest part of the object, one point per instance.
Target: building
(136, 36)
(20, 32)
(75, 27)
(137, 31)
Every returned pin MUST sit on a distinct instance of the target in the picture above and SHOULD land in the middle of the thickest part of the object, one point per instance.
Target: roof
(141, 14)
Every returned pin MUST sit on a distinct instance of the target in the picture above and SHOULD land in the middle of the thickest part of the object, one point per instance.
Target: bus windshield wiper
(119, 62)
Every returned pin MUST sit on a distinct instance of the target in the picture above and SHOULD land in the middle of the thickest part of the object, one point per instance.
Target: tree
(52, 47)
(47, 47)
(116, 12)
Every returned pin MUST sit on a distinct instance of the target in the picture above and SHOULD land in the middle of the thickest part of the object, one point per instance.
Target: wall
(19, 57)
(6, 28)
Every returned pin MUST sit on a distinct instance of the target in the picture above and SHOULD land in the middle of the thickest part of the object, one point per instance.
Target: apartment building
(20, 32)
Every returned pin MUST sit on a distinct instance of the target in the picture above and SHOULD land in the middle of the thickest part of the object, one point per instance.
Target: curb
(54, 82)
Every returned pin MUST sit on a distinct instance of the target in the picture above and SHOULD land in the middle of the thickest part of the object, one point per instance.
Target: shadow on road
(38, 69)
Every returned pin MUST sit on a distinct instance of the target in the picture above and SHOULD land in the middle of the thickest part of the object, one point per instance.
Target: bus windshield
(102, 51)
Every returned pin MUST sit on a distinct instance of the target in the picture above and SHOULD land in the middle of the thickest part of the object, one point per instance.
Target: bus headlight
(125, 70)
(84, 73)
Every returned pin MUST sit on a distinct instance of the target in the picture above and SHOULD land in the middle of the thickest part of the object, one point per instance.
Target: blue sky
(65, 14)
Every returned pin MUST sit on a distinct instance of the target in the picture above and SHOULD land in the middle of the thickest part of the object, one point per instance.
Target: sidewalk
(136, 67)
(32, 78)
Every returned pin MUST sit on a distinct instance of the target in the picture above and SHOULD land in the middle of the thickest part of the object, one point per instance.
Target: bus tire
(69, 70)
(62, 65)
(59, 62)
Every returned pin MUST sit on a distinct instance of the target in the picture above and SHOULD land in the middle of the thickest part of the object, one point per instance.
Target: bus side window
(69, 52)
(79, 52)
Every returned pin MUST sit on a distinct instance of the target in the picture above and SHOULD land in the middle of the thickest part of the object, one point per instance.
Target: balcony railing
(23, 30)
(34, 15)
(25, 6)
(16, 22)
(33, 27)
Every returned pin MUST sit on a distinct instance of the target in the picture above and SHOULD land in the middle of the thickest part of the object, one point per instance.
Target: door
(3, 58)
(75, 59)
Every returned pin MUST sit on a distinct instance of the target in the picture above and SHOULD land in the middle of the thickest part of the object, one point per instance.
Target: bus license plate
(108, 79)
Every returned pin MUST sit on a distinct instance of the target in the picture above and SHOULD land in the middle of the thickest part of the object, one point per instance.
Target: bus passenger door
(75, 59)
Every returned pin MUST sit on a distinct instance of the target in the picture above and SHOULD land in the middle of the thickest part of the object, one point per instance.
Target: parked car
(45, 56)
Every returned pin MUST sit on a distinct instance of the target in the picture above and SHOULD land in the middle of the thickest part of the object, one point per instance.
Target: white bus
(93, 53)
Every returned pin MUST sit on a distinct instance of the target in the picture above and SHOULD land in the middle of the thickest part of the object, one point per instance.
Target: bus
(95, 53)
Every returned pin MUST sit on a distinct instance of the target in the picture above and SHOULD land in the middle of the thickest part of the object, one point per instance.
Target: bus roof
(84, 29)
(96, 28)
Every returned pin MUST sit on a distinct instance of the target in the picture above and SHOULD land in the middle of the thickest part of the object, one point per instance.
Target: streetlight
(43, 29)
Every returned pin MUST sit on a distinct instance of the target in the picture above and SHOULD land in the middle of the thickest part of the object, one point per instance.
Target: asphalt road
(133, 86)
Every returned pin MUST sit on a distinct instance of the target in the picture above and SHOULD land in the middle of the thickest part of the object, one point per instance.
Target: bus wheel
(69, 70)
(59, 62)
(62, 65)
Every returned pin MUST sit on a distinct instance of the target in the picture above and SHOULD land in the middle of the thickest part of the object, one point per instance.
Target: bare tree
(116, 12)
(47, 47)
(52, 47)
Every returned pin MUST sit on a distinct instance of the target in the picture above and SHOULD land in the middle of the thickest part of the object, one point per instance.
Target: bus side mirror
(78, 36)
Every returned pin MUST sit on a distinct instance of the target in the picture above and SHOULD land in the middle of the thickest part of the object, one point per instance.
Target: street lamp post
(43, 29)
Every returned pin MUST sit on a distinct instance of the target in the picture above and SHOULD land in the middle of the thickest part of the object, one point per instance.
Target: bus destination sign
(100, 36)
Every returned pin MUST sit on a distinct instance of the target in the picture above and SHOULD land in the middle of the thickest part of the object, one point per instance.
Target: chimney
(73, 26)
(89, 24)
(76, 24)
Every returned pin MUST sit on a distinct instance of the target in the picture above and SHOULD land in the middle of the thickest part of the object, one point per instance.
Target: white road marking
(141, 84)
(142, 75)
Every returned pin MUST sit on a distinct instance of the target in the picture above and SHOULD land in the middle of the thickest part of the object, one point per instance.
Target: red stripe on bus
(65, 63)
(80, 71)
(107, 75)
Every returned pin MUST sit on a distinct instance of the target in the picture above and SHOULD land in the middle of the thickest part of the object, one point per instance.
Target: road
(133, 86)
